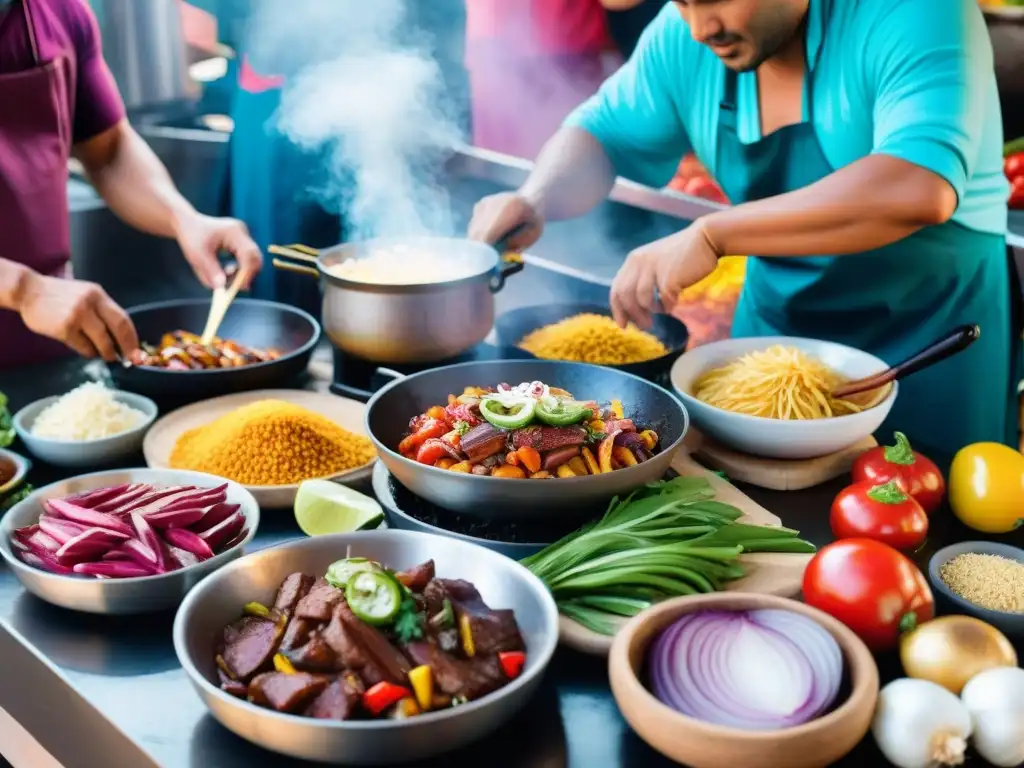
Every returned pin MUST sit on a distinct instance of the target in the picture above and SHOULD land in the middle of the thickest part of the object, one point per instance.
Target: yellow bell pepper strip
(650, 438)
(384, 695)
(223, 667)
(624, 456)
(590, 461)
(542, 475)
(616, 409)
(282, 665)
(604, 451)
(597, 425)
(422, 680)
(565, 471)
(462, 466)
(512, 663)
(405, 709)
(256, 609)
(466, 635)
(577, 466)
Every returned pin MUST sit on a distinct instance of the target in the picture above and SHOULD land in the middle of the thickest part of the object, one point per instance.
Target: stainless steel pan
(389, 411)
(417, 323)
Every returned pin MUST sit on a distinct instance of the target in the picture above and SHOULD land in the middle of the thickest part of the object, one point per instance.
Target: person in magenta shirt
(60, 101)
(531, 62)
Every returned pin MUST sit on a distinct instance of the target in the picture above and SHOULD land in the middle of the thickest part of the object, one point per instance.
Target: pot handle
(510, 262)
(306, 256)
(389, 375)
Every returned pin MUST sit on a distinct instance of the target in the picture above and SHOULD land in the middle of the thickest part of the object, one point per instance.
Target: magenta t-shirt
(65, 26)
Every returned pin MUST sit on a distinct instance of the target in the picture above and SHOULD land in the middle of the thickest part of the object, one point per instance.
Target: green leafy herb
(669, 538)
(408, 622)
(6, 423)
(14, 497)
(461, 427)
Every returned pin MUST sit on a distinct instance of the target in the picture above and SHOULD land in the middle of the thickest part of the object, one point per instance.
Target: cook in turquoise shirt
(895, 164)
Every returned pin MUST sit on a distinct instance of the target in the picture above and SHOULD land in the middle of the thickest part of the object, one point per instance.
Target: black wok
(511, 327)
(650, 406)
(251, 322)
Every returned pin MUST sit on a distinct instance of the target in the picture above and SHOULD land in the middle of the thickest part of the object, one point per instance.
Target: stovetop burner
(359, 379)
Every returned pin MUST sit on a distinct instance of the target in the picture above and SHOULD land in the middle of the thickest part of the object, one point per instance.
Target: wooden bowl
(698, 744)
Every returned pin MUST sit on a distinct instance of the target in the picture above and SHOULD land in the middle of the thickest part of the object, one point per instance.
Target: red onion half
(754, 670)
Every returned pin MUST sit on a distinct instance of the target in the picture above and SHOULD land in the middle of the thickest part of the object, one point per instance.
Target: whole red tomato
(1017, 192)
(1014, 166)
(871, 588)
(916, 474)
(880, 512)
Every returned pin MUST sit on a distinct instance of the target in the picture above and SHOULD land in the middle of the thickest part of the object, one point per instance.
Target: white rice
(88, 412)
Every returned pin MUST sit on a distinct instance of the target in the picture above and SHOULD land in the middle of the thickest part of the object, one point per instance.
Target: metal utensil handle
(509, 262)
(953, 342)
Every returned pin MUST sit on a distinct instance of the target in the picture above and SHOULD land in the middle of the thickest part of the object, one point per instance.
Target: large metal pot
(417, 323)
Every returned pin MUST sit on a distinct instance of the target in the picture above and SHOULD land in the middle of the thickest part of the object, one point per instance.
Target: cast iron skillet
(650, 406)
(251, 322)
(511, 327)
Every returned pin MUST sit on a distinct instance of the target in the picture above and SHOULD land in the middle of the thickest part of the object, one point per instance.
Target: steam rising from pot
(369, 98)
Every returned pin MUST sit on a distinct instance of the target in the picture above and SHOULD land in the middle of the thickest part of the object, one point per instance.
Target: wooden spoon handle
(222, 298)
(955, 341)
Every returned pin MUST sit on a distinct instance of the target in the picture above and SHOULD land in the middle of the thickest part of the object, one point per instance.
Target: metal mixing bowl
(503, 583)
(119, 596)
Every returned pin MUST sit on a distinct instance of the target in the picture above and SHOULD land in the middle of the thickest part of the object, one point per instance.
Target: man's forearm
(13, 277)
(572, 175)
(133, 181)
(873, 202)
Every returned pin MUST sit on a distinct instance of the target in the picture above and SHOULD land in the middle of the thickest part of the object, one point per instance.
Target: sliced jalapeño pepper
(508, 415)
(561, 413)
(340, 572)
(373, 597)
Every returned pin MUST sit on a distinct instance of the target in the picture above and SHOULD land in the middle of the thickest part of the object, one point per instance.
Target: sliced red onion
(60, 529)
(188, 541)
(131, 493)
(89, 517)
(753, 670)
(91, 499)
(218, 513)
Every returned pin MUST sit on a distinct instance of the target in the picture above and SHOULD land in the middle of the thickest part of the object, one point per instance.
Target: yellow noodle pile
(590, 338)
(780, 383)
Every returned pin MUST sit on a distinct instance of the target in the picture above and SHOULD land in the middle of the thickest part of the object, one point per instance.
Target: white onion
(995, 700)
(919, 724)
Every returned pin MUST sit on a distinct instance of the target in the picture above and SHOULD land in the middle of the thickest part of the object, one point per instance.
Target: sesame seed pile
(990, 581)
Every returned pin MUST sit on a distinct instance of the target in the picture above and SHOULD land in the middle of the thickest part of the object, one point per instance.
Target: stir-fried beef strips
(312, 654)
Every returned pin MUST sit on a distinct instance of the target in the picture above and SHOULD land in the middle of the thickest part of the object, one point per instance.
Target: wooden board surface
(344, 412)
(768, 573)
(776, 474)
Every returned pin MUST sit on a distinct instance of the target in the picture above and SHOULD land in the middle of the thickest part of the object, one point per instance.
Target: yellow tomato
(986, 487)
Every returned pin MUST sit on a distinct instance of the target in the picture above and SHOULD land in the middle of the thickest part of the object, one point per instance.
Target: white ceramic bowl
(85, 454)
(777, 438)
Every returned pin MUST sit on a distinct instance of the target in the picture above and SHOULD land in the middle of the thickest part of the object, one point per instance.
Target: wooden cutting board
(768, 573)
(775, 474)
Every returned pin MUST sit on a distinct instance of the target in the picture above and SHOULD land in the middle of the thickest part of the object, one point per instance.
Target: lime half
(323, 507)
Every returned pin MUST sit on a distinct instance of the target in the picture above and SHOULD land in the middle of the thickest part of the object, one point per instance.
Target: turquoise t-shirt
(913, 79)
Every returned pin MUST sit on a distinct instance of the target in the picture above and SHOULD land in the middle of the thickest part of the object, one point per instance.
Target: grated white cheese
(88, 412)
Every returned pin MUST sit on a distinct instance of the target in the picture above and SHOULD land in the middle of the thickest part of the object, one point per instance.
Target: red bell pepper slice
(430, 428)
(384, 695)
(512, 663)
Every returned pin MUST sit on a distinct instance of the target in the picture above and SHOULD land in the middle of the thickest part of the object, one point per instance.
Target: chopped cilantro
(6, 423)
(461, 427)
(19, 495)
(408, 622)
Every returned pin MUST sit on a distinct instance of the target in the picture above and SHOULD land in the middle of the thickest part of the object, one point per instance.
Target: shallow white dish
(83, 454)
(777, 438)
